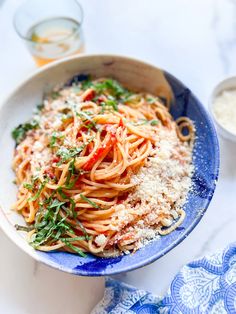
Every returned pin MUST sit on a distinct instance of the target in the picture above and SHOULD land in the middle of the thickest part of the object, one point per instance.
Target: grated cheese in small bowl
(223, 108)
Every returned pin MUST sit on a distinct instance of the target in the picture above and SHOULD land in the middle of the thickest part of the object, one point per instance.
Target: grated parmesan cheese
(100, 240)
(161, 187)
(38, 146)
(224, 109)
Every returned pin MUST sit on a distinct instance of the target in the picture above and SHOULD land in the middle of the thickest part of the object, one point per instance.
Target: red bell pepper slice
(88, 95)
(101, 152)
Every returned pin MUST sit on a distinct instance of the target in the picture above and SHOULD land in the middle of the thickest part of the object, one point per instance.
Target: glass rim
(47, 43)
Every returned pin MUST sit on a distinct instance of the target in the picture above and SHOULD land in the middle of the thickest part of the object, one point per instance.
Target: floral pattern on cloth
(207, 285)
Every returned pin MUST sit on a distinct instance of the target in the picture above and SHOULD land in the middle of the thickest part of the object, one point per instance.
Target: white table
(196, 41)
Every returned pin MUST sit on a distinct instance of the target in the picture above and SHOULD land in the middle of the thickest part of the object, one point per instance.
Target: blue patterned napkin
(207, 285)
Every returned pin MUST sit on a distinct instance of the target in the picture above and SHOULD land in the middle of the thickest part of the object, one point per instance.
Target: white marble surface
(196, 41)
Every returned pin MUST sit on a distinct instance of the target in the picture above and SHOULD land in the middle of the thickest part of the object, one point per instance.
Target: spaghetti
(92, 169)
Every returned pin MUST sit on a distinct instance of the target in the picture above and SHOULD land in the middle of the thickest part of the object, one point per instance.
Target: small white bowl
(227, 84)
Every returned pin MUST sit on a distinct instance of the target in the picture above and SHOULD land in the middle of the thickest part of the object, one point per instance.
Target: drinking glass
(51, 29)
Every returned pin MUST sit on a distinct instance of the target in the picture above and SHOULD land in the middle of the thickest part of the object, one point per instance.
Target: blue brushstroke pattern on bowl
(206, 162)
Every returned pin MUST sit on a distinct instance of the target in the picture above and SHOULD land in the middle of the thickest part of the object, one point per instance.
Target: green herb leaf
(140, 122)
(71, 184)
(86, 117)
(54, 138)
(74, 248)
(40, 107)
(71, 171)
(154, 122)
(28, 186)
(64, 196)
(55, 95)
(109, 105)
(111, 86)
(151, 100)
(51, 227)
(60, 192)
(19, 133)
(82, 229)
(112, 103)
(75, 239)
(56, 203)
(66, 154)
(36, 196)
(145, 121)
(87, 83)
(89, 201)
(24, 228)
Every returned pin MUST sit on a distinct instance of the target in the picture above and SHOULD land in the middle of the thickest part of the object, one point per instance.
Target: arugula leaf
(19, 133)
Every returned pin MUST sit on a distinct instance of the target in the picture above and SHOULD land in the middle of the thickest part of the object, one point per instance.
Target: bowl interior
(137, 75)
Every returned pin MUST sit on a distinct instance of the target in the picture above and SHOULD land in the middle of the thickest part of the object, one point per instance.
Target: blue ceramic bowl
(137, 75)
